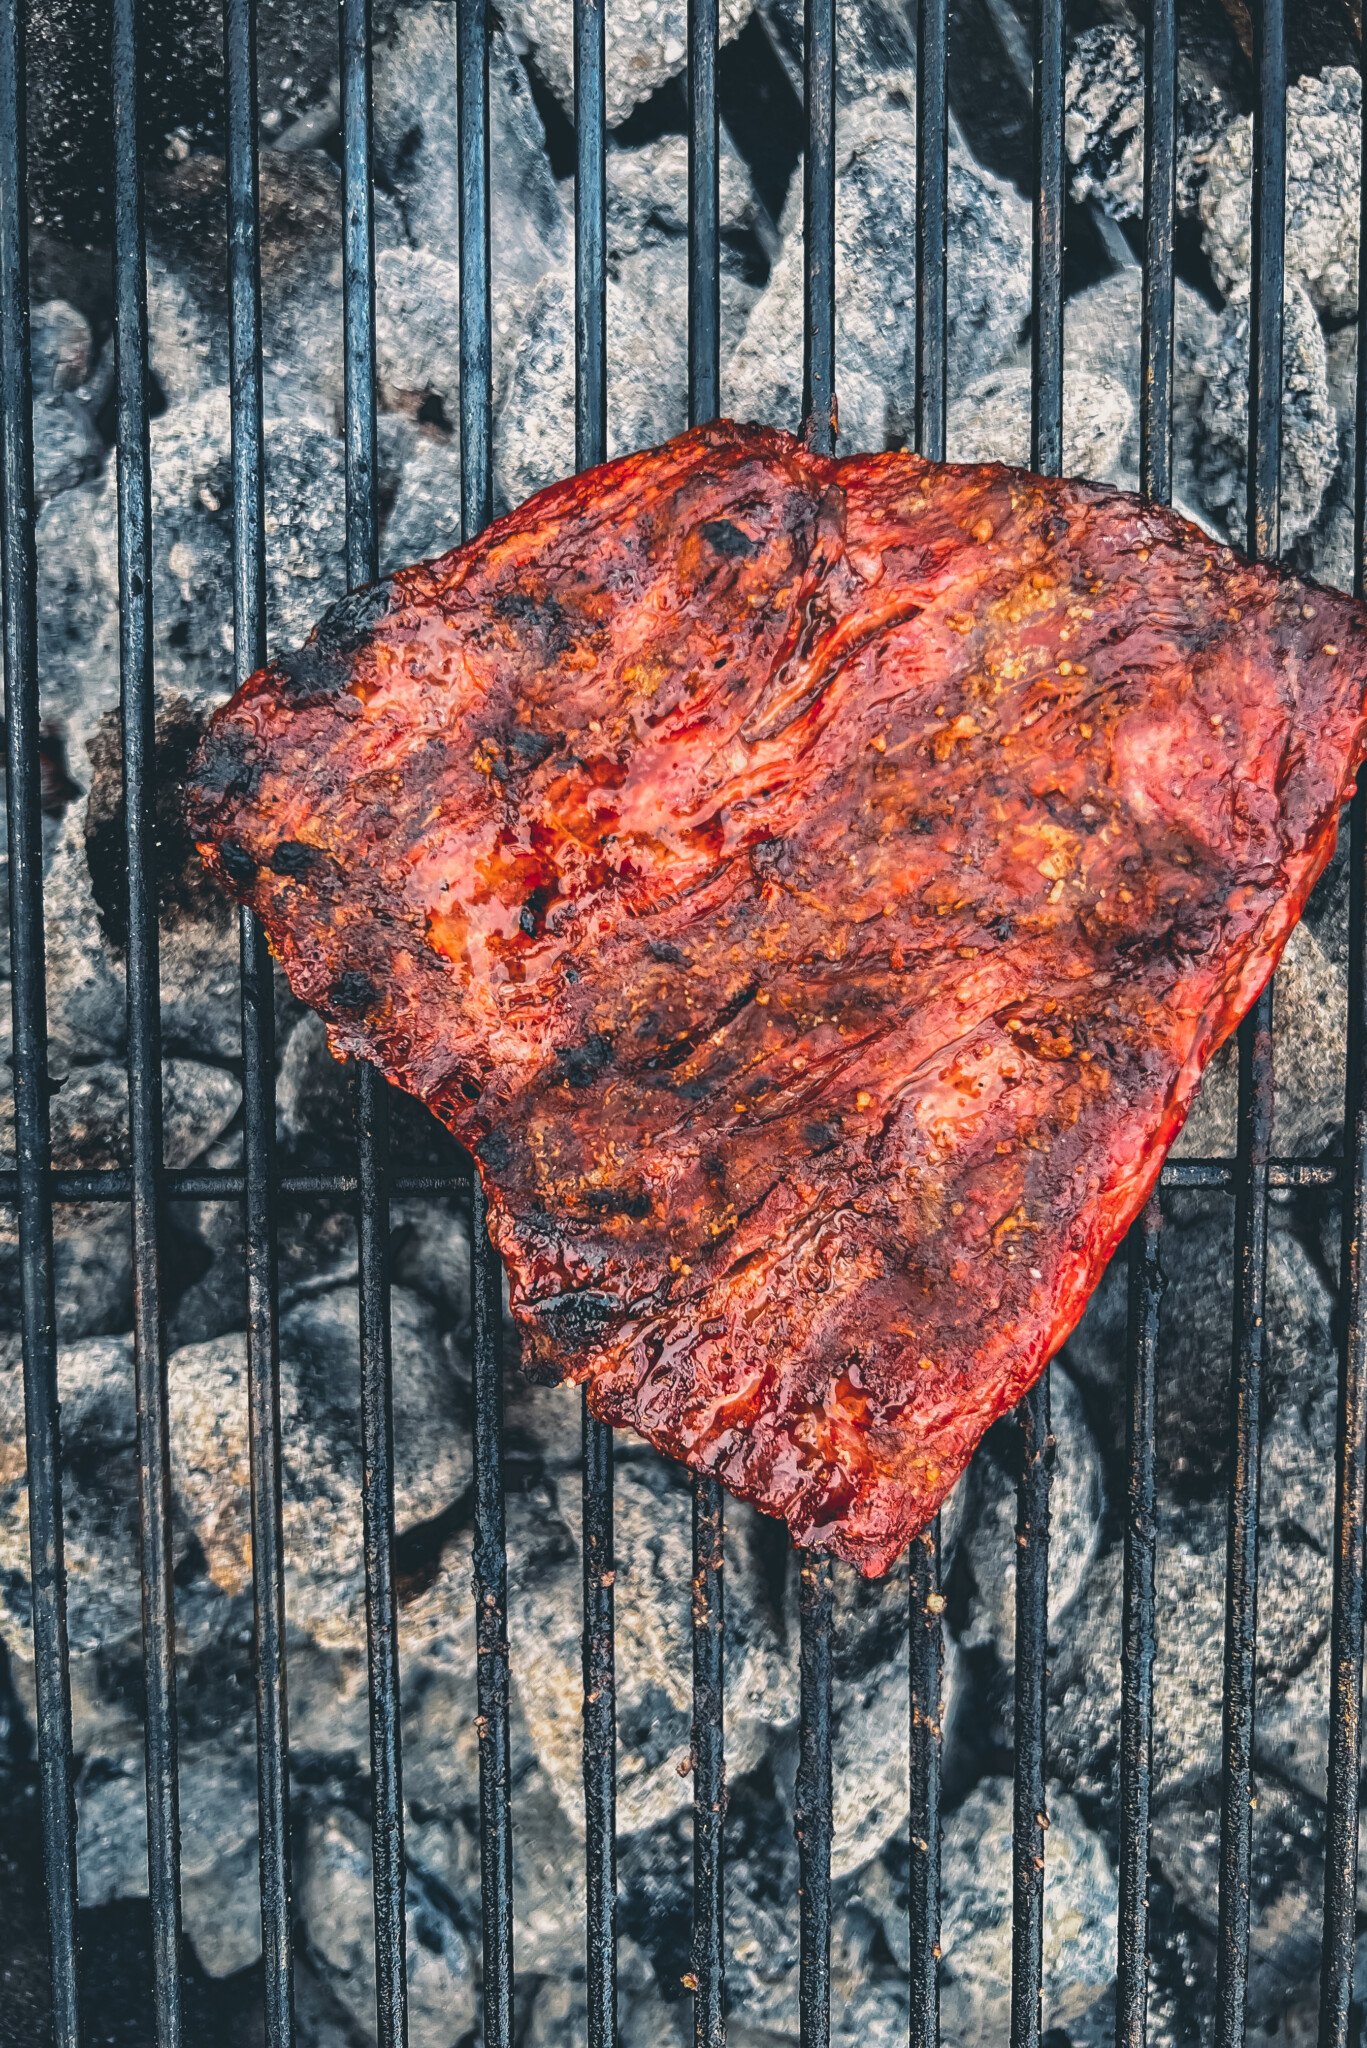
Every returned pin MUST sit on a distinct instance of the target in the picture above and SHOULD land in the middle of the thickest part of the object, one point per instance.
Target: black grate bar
(1350, 1509)
(144, 1028)
(1255, 1079)
(1046, 296)
(709, 1765)
(224, 1184)
(258, 1049)
(1029, 1813)
(818, 228)
(932, 233)
(927, 1672)
(1145, 1276)
(491, 1640)
(708, 1958)
(926, 1649)
(1137, 1654)
(1029, 1817)
(18, 581)
(599, 1661)
(704, 216)
(372, 1099)
(813, 1816)
(1160, 207)
(600, 1736)
(490, 1539)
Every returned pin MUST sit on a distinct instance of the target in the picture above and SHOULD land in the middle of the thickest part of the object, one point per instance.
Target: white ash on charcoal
(337, 1901)
(983, 1563)
(85, 905)
(1079, 1915)
(652, 1594)
(1104, 119)
(423, 518)
(320, 1391)
(761, 1923)
(647, 320)
(1286, 1890)
(873, 40)
(301, 277)
(990, 422)
(67, 449)
(1323, 167)
(1329, 550)
(1310, 434)
(646, 46)
(418, 159)
(220, 1903)
(1296, 1543)
(989, 293)
(1102, 335)
(96, 1388)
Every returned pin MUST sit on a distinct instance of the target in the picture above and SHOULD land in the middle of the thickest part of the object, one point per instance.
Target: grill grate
(32, 1188)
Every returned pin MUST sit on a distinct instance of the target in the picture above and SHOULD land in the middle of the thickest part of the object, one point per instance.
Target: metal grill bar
(43, 1447)
(1032, 1506)
(708, 1956)
(1137, 1653)
(813, 1815)
(1350, 1506)
(258, 1050)
(144, 1028)
(926, 1649)
(600, 1677)
(1255, 1078)
(223, 1184)
(372, 1097)
(1145, 1276)
(490, 1539)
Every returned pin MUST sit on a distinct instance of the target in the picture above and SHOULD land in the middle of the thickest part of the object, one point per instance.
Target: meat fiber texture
(811, 889)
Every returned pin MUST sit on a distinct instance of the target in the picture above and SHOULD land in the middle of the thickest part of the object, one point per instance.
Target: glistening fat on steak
(812, 890)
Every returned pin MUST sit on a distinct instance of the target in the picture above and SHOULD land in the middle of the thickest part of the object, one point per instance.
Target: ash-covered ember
(812, 889)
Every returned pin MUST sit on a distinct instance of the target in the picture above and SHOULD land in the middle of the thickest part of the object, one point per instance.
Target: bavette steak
(812, 890)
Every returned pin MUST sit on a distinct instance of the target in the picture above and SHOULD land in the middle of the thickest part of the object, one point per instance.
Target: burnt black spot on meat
(532, 917)
(581, 1065)
(228, 767)
(496, 1151)
(238, 864)
(688, 1042)
(532, 748)
(820, 1137)
(727, 538)
(575, 1321)
(322, 666)
(293, 858)
(630, 1202)
(354, 991)
(541, 617)
(668, 955)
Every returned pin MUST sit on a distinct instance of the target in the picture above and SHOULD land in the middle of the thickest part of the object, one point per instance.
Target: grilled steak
(812, 890)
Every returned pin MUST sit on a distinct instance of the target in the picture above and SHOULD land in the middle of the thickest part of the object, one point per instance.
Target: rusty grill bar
(31, 1187)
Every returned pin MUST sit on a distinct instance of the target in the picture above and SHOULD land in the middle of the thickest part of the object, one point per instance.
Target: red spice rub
(812, 890)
